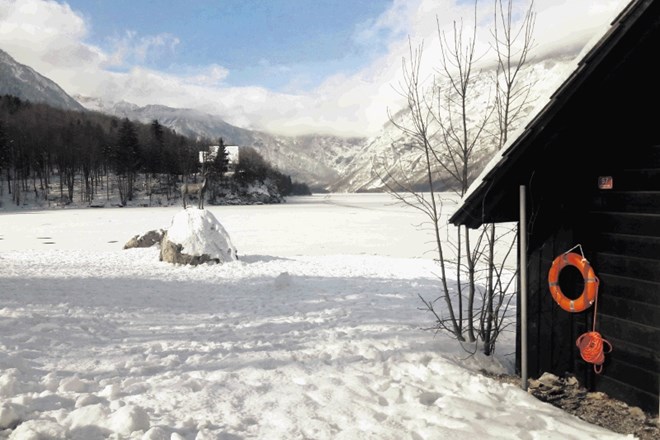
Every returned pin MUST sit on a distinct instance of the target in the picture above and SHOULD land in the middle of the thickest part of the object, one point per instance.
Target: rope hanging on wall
(591, 344)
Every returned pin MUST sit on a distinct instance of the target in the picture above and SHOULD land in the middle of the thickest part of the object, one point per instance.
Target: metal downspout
(522, 243)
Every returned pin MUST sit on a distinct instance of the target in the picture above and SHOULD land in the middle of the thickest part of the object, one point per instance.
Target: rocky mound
(196, 237)
(593, 407)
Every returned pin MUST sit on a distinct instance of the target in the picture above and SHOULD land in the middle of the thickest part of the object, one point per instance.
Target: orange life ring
(590, 282)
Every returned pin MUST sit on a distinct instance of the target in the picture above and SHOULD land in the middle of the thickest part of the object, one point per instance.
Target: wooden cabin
(589, 164)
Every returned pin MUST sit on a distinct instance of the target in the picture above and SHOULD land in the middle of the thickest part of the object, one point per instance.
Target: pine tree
(127, 159)
(220, 163)
(4, 155)
(154, 158)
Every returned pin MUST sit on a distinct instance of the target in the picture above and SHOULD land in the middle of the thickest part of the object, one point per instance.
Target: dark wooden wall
(624, 238)
(608, 127)
(619, 230)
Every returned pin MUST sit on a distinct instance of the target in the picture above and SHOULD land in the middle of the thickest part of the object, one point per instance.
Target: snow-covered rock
(10, 415)
(39, 429)
(128, 419)
(196, 237)
(147, 239)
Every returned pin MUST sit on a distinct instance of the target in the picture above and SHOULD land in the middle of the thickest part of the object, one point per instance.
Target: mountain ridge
(324, 162)
(24, 82)
(317, 160)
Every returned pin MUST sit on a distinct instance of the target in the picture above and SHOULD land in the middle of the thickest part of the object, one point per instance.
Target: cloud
(43, 34)
(569, 24)
(392, 22)
(130, 49)
(212, 75)
(51, 37)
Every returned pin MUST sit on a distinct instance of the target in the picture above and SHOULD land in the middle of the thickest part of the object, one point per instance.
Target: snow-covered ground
(314, 333)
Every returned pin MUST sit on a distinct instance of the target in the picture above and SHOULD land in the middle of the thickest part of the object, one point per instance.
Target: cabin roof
(490, 199)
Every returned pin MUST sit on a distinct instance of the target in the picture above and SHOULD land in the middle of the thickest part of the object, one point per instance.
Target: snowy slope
(406, 163)
(335, 163)
(314, 159)
(22, 81)
(324, 162)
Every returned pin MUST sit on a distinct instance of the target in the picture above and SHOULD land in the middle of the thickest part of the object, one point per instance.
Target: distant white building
(210, 155)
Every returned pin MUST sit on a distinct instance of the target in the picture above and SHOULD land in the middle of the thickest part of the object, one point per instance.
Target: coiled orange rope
(592, 345)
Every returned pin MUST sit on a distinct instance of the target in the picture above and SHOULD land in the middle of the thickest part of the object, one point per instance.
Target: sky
(315, 332)
(284, 66)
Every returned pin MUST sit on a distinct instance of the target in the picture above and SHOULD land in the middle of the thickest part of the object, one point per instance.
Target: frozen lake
(325, 224)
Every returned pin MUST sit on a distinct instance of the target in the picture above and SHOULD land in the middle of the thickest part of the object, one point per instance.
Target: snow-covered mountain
(316, 160)
(24, 82)
(404, 162)
(339, 164)
(323, 162)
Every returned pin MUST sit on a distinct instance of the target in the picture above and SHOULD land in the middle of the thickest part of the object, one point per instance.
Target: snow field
(308, 343)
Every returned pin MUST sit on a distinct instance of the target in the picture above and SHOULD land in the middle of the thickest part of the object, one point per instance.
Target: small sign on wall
(605, 182)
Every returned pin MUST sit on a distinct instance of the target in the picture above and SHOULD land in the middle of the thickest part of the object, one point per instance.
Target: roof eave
(466, 213)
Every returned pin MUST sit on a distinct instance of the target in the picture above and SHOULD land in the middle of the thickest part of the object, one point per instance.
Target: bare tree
(512, 46)
(452, 133)
(419, 132)
(460, 137)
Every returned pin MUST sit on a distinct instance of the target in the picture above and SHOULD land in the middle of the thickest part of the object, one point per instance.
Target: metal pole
(522, 243)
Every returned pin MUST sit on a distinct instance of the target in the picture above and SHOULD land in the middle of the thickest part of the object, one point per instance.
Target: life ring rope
(591, 344)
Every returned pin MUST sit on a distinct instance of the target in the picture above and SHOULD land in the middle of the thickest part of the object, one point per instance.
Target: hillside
(335, 164)
(391, 146)
(316, 159)
(25, 83)
(55, 157)
(325, 163)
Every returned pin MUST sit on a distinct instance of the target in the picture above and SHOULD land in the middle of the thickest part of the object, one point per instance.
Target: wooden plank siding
(620, 233)
(624, 242)
(551, 331)
(597, 124)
